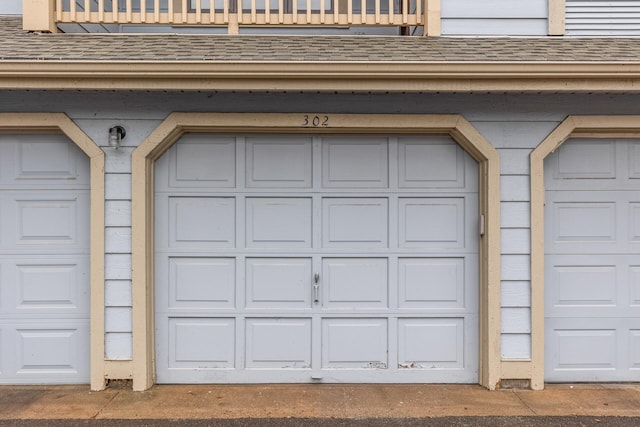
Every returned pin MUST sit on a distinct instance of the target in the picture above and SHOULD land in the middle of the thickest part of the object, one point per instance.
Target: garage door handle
(316, 288)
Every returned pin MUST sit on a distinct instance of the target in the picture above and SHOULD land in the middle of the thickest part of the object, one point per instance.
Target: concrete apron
(314, 401)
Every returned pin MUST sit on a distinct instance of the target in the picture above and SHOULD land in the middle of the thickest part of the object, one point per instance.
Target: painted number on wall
(315, 121)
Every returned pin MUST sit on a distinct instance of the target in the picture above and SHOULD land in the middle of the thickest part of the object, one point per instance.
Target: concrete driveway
(321, 405)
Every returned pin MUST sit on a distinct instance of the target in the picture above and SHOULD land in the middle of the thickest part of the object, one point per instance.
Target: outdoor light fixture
(116, 134)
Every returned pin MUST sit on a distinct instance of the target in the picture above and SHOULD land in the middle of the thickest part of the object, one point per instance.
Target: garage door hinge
(482, 224)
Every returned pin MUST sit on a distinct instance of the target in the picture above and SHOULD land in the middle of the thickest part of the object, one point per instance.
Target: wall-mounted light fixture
(116, 134)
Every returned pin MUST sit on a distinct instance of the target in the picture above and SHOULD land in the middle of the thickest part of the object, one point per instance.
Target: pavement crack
(105, 405)
(533, 411)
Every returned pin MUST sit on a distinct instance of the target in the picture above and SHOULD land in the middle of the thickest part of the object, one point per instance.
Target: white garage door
(592, 262)
(302, 258)
(44, 262)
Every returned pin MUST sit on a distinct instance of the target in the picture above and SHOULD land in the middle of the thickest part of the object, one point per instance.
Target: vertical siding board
(514, 188)
(516, 320)
(118, 293)
(515, 241)
(516, 346)
(118, 240)
(118, 319)
(118, 267)
(516, 267)
(118, 161)
(514, 161)
(516, 293)
(515, 214)
(118, 187)
(118, 345)
(118, 213)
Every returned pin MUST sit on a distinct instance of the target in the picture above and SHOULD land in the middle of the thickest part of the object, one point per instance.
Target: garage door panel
(594, 163)
(278, 343)
(202, 221)
(51, 221)
(594, 349)
(41, 160)
(318, 210)
(355, 222)
(431, 282)
(53, 286)
(592, 222)
(50, 286)
(592, 279)
(603, 285)
(202, 343)
(634, 349)
(351, 162)
(281, 162)
(431, 222)
(586, 159)
(205, 282)
(50, 349)
(355, 282)
(584, 222)
(44, 351)
(584, 285)
(436, 164)
(354, 343)
(202, 161)
(5, 357)
(634, 160)
(582, 349)
(431, 343)
(278, 282)
(46, 221)
(634, 285)
(634, 222)
(44, 261)
(278, 222)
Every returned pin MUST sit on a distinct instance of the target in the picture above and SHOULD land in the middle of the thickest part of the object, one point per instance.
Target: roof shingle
(18, 45)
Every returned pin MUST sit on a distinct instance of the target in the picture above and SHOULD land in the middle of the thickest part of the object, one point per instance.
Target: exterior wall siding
(11, 7)
(514, 124)
(602, 18)
(459, 17)
(515, 140)
(494, 17)
(118, 311)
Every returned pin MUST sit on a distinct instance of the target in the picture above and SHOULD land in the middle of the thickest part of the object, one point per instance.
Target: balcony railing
(45, 15)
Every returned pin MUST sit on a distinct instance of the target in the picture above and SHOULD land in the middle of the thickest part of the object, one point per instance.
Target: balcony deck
(47, 15)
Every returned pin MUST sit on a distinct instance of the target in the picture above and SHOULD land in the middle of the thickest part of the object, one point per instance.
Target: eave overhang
(361, 76)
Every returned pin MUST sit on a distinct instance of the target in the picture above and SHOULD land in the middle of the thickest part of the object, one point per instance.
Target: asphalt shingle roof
(18, 45)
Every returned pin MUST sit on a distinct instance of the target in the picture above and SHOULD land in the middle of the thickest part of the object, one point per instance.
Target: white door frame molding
(572, 126)
(176, 124)
(61, 123)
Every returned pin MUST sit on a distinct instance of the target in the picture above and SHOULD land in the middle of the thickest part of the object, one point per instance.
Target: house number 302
(315, 121)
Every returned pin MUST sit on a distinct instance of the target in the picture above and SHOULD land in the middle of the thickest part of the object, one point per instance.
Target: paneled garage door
(592, 261)
(300, 258)
(44, 261)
